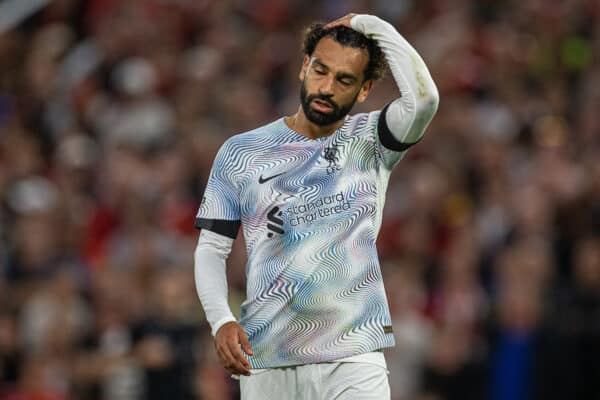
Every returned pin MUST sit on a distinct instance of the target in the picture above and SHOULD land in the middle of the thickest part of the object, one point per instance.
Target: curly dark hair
(350, 38)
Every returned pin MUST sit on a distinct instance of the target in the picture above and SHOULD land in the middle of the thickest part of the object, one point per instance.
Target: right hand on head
(228, 339)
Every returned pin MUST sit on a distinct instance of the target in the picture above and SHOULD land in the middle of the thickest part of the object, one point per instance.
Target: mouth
(321, 106)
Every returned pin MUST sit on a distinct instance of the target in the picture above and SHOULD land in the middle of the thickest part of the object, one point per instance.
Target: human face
(332, 81)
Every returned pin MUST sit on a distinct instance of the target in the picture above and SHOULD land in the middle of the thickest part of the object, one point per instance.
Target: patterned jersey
(310, 212)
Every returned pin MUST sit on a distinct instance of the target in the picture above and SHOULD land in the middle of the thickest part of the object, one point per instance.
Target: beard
(319, 118)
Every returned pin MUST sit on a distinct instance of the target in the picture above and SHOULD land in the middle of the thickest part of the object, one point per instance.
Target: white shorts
(324, 381)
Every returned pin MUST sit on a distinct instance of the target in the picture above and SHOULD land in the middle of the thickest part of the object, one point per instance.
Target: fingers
(227, 343)
(239, 357)
(344, 21)
(231, 362)
(245, 343)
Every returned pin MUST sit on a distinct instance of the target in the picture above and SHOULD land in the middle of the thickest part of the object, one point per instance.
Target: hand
(227, 343)
(344, 21)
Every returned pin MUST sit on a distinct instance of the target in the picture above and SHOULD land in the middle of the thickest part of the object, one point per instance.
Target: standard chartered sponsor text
(315, 210)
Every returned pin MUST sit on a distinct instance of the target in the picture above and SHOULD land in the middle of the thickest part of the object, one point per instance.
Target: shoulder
(362, 118)
(362, 124)
(247, 141)
(255, 137)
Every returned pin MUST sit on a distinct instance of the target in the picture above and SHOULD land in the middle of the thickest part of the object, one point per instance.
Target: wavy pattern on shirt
(314, 292)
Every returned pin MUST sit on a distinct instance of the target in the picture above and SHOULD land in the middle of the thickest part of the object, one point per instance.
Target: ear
(365, 89)
(304, 68)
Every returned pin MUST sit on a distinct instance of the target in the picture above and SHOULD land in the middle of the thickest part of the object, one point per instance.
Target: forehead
(341, 58)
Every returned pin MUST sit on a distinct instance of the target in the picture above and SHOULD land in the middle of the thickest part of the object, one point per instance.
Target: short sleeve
(219, 209)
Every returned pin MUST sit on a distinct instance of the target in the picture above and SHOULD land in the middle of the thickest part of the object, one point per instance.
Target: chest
(297, 186)
(305, 169)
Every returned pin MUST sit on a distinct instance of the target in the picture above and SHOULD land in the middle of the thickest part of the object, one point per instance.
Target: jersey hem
(334, 358)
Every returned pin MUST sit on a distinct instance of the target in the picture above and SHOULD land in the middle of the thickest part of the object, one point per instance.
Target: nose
(326, 87)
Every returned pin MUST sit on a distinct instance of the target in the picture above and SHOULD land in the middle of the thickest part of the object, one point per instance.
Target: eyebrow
(339, 75)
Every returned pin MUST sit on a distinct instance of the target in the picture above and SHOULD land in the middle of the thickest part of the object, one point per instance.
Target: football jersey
(310, 211)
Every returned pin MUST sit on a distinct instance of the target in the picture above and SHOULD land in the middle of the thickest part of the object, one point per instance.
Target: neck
(299, 123)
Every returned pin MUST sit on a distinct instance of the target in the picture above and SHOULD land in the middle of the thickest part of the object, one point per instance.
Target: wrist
(221, 322)
(370, 25)
(359, 22)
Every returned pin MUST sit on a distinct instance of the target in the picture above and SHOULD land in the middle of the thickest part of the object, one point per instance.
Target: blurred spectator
(10, 352)
(111, 113)
(411, 328)
(165, 344)
(455, 369)
(571, 344)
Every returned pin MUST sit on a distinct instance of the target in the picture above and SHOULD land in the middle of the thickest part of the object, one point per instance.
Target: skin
(334, 71)
(228, 339)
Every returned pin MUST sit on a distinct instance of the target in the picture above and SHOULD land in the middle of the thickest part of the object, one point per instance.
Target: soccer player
(308, 191)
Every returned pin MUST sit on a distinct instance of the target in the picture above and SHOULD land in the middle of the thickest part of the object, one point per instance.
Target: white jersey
(310, 212)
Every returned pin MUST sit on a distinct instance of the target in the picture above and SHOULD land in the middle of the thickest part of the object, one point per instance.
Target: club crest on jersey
(331, 156)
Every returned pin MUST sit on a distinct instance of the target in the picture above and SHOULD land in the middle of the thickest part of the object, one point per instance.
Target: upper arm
(401, 124)
(219, 209)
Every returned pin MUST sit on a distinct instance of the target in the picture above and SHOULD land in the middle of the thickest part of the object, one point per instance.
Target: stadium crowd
(111, 113)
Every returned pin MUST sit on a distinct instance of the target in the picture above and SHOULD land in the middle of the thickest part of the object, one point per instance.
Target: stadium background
(111, 113)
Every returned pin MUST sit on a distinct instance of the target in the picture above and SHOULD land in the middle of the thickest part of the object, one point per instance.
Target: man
(309, 191)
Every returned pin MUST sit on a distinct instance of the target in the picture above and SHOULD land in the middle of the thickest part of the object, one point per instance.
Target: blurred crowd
(111, 113)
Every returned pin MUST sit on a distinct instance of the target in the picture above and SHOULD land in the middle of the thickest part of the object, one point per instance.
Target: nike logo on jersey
(262, 180)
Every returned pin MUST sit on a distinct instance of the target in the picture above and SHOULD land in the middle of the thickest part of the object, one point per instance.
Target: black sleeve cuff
(221, 226)
(385, 135)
